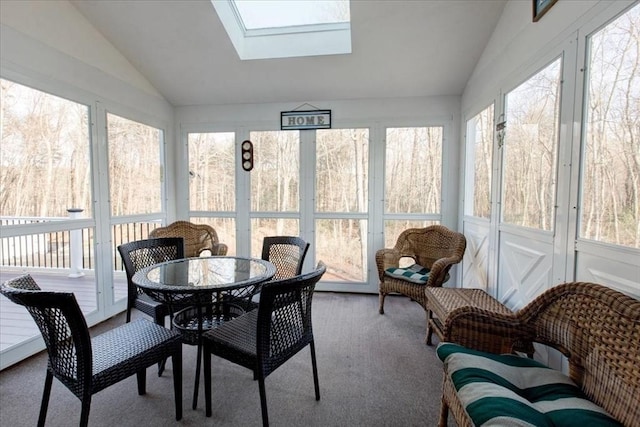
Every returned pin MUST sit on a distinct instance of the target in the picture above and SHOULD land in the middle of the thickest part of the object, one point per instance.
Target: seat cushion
(126, 349)
(509, 390)
(414, 273)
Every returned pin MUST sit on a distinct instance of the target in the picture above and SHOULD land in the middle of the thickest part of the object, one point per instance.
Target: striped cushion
(415, 273)
(508, 390)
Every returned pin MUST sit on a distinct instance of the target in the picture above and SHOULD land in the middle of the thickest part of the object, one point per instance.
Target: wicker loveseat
(595, 327)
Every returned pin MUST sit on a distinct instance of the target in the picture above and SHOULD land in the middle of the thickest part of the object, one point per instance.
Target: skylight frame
(282, 42)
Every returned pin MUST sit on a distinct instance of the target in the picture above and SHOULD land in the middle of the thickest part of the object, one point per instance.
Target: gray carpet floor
(374, 370)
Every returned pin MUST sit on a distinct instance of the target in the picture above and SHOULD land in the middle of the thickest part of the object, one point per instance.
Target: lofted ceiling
(400, 48)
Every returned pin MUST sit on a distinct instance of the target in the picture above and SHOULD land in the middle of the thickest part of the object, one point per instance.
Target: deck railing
(60, 249)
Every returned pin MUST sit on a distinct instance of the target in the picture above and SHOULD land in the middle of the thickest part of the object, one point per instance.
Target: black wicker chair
(287, 254)
(143, 253)
(265, 338)
(88, 365)
(138, 255)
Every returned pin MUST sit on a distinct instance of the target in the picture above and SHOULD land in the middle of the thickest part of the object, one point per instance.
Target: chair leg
(197, 380)
(444, 414)
(206, 355)
(84, 414)
(48, 380)
(161, 366)
(429, 328)
(315, 370)
(381, 298)
(176, 360)
(263, 402)
(160, 321)
(142, 381)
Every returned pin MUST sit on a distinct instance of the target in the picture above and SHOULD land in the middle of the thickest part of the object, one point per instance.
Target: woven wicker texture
(286, 253)
(265, 338)
(190, 322)
(144, 253)
(435, 247)
(197, 238)
(595, 327)
(443, 301)
(84, 365)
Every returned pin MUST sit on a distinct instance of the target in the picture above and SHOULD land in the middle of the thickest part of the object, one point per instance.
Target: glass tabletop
(204, 274)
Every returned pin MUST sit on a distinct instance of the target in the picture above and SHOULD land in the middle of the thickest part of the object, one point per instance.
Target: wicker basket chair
(264, 339)
(88, 365)
(435, 248)
(197, 238)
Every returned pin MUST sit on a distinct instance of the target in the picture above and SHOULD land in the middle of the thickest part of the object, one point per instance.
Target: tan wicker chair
(197, 238)
(435, 247)
(595, 327)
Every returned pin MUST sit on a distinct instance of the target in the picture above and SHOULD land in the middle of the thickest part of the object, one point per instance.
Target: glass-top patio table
(199, 284)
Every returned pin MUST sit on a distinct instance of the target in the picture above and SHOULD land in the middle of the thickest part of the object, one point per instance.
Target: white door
(529, 150)
(476, 223)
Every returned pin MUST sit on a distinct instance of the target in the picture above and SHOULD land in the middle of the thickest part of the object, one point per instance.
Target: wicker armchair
(88, 365)
(197, 238)
(595, 327)
(264, 339)
(436, 247)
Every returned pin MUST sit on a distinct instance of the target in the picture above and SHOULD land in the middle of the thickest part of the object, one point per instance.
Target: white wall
(517, 41)
(53, 40)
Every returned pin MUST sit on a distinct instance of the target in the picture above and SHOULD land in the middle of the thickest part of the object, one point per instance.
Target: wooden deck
(16, 325)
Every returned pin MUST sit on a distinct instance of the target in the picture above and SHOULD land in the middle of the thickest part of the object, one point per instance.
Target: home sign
(300, 120)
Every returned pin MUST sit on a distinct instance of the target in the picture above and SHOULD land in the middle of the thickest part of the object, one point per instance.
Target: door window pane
(479, 158)
(135, 166)
(225, 229)
(611, 163)
(393, 228)
(212, 177)
(263, 227)
(341, 244)
(44, 154)
(342, 170)
(413, 170)
(530, 150)
(276, 169)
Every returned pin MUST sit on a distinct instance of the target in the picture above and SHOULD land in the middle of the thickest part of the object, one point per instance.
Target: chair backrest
(197, 237)
(429, 244)
(598, 329)
(62, 326)
(143, 253)
(284, 318)
(287, 253)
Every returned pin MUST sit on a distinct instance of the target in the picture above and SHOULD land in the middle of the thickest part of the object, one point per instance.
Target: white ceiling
(401, 48)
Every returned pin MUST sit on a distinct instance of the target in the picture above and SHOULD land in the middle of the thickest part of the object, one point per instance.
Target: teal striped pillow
(499, 390)
(415, 273)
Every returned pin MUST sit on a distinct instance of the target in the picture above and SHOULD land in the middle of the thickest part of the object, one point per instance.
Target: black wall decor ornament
(247, 155)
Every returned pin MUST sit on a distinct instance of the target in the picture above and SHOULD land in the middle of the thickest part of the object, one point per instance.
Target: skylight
(286, 28)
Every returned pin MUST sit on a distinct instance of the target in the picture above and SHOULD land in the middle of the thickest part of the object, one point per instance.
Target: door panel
(525, 267)
(601, 264)
(476, 224)
(476, 256)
